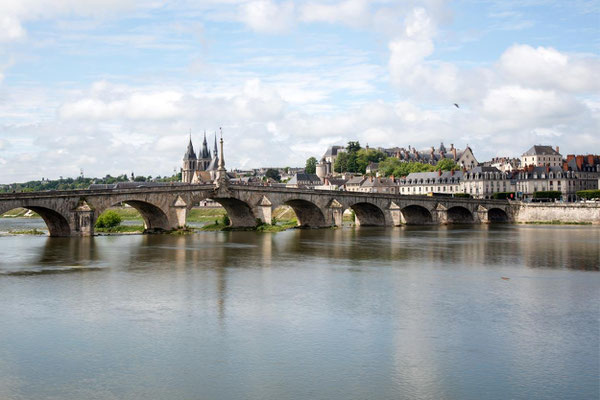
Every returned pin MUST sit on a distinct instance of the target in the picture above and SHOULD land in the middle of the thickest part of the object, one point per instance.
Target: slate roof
(446, 175)
(378, 182)
(333, 151)
(539, 150)
(302, 178)
(356, 180)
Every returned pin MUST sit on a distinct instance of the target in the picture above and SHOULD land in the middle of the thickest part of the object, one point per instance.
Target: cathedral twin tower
(202, 168)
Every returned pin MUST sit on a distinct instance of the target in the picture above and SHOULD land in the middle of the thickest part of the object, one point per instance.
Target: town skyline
(109, 87)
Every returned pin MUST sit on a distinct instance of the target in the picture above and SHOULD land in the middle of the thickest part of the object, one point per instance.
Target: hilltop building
(465, 158)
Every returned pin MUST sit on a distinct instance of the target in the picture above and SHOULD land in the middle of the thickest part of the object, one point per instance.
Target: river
(474, 312)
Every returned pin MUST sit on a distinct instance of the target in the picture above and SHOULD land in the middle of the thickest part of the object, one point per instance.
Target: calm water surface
(419, 313)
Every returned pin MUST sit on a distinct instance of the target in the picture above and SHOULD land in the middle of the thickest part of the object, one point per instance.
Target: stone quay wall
(548, 212)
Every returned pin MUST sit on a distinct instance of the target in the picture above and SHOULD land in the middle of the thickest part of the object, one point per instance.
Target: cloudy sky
(114, 86)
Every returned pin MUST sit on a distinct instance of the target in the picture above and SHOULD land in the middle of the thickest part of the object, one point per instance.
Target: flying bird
(456, 105)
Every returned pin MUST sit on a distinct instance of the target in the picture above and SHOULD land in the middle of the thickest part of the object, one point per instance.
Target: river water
(403, 313)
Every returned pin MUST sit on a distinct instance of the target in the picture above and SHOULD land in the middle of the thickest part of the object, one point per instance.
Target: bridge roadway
(74, 212)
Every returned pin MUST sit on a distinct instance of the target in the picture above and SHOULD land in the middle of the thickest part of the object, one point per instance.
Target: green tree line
(79, 183)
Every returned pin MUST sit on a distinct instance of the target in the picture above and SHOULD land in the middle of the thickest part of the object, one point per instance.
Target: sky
(116, 86)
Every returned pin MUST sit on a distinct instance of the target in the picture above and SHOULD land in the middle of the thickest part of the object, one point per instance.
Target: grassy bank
(554, 222)
(28, 232)
(121, 229)
(20, 213)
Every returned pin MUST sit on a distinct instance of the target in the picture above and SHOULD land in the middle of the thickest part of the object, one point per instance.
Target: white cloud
(348, 12)
(545, 67)
(268, 16)
(10, 28)
(135, 106)
(520, 106)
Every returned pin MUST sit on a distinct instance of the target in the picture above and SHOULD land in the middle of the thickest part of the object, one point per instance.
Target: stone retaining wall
(548, 212)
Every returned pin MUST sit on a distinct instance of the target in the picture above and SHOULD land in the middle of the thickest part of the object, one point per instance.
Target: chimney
(452, 172)
(590, 161)
(579, 161)
(451, 146)
(439, 172)
(558, 149)
(454, 152)
(392, 178)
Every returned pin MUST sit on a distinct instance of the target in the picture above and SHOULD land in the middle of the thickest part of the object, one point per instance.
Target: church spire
(190, 154)
(205, 152)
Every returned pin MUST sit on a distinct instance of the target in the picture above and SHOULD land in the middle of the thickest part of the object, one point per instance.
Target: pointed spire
(205, 153)
(216, 153)
(190, 154)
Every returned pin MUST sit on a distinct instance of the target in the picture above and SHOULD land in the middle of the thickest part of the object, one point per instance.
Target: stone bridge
(74, 212)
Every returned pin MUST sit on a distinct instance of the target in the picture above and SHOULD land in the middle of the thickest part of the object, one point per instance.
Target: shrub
(466, 195)
(503, 195)
(109, 219)
(550, 194)
(589, 194)
(225, 220)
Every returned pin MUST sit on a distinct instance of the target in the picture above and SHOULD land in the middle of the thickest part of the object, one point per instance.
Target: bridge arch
(239, 212)
(155, 219)
(309, 215)
(57, 223)
(497, 215)
(416, 215)
(368, 214)
(460, 215)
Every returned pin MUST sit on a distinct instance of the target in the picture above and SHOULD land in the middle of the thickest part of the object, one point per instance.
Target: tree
(341, 162)
(446, 164)
(273, 174)
(109, 219)
(364, 157)
(311, 166)
(393, 166)
(353, 147)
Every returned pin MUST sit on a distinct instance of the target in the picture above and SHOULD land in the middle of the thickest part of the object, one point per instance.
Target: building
(304, 180)
(354, 183)
(464, 158)
(201, 168)
(420, 183)
(332, 153)
(379, 185)
(504, 164)
(332, 184)
(483, 182)
(542, 156)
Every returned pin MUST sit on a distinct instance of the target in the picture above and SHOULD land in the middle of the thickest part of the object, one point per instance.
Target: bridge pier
(440, 216)
(180, 210)
(83, 220)
(481, 215)
(335, 213)
(395, 214)
(264, 210)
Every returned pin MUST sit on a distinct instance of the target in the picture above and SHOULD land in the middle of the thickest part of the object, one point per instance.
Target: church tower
(190, 163)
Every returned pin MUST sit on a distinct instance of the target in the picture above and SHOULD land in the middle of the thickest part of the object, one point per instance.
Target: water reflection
(398, 313)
